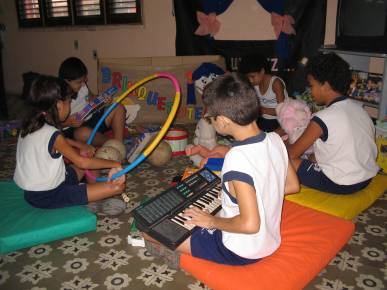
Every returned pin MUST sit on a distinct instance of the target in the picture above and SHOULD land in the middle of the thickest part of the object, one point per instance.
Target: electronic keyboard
(162, 216)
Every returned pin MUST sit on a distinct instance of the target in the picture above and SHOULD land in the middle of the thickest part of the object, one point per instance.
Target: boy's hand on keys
(198, 217)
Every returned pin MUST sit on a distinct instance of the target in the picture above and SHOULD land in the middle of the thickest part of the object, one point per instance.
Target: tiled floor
(104, 260)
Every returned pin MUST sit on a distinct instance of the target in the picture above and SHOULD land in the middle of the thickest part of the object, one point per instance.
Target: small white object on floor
(125, 197)
(136, 239)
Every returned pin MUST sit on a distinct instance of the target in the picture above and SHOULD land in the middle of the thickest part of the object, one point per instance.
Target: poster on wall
(152, 102)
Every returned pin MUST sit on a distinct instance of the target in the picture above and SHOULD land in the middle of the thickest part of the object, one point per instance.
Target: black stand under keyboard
(161, 217)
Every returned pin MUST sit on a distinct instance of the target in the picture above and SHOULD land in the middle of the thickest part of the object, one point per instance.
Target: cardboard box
(151, 102)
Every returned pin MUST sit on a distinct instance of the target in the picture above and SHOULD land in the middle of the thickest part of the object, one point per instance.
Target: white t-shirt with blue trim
(269, 98)
(261, 161)
(37, 169)
(346, 153)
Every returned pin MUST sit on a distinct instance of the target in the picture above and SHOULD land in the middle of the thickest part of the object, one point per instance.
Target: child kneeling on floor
(40, 170)
(255, 175)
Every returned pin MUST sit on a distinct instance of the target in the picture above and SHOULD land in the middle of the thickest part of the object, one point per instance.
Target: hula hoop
(148, 150)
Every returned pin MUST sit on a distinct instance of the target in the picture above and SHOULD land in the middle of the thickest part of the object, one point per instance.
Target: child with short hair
(342, 134)
(40, 170)
(271, 90)
(255, 175)
(74, 72)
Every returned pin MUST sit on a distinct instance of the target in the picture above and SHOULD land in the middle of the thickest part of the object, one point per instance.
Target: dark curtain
(187, 43)
(309, 18)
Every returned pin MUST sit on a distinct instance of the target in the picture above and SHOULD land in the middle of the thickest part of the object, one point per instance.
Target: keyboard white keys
(210, 201)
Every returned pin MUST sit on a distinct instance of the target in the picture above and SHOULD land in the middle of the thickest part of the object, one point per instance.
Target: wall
(43, 49)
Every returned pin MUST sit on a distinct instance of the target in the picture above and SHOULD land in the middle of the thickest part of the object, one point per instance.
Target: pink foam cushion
(310, 239)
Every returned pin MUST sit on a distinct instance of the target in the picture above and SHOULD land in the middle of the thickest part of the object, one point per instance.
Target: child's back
(35, 159)
(347, 155)
(262, 161)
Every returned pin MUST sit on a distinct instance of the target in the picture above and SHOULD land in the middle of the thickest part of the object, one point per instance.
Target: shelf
(332, 48)
(359, 60)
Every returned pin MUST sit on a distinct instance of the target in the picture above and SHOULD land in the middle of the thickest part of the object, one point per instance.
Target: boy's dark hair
(332, 69)
(72, 68)
(231, 95)
(41, 100)
(253, 63)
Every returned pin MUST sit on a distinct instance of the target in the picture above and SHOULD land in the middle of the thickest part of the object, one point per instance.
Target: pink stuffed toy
(293, 116)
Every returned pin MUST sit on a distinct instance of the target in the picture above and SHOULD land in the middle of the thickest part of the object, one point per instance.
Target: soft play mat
(310, 239)
(22, 225)
(345, 206)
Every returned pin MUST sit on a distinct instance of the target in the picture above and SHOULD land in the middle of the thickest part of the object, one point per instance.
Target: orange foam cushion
(310, 239)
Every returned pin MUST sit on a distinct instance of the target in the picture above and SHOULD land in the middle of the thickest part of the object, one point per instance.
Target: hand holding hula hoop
(158, 137)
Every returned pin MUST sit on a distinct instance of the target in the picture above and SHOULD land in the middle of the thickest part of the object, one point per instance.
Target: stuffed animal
(293, 116)
(205, 145)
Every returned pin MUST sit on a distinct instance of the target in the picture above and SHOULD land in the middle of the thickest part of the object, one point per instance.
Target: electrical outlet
(95, 54)
(76, 44)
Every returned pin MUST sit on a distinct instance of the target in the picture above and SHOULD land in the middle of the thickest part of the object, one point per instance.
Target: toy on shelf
(98, 102)
(205, 145)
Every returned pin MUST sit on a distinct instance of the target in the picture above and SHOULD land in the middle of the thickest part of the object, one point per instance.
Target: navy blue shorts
(68, 193)
(90, 123)
(209, 246)
(311, 175)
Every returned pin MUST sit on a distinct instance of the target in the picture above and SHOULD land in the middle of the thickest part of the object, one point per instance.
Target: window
(45, 13)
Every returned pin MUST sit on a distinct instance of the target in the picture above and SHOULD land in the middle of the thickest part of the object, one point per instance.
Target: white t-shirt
(262, 162)
(36, 168)
(269, 99)
(81, 101)
(346, 153)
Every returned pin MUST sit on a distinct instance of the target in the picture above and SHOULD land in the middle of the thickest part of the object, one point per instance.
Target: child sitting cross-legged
(256, 174)
(342, 134)
(40, 170)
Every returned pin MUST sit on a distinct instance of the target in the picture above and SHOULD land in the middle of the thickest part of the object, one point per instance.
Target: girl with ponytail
(40, 170)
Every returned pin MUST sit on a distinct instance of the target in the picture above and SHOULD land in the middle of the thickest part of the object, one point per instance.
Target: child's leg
(116, 120)
(80, 172)
(98, 191)
(82, 134)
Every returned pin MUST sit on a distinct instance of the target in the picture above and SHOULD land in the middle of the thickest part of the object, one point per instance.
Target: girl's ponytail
(42, 97)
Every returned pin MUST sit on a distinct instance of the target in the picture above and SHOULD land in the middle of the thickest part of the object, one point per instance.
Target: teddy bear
(293, 116)
(205, 145)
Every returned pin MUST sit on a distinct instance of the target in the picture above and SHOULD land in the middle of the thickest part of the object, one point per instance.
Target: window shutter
(123, 11)
(88, 12)
(57, 12)
(29, 13)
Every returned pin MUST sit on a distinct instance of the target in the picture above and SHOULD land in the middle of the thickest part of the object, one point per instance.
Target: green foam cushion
(22, 225)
